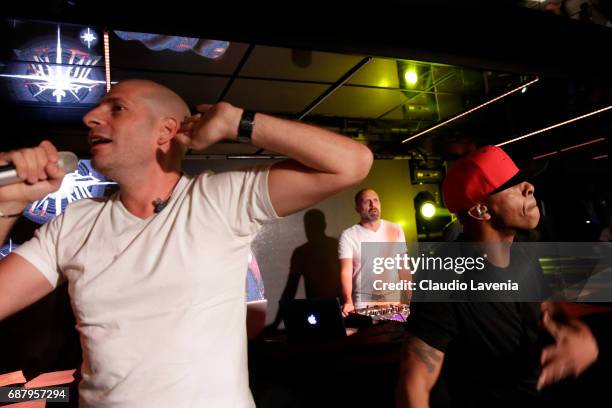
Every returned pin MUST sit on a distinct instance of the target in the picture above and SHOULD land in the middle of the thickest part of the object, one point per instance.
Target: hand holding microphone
(29, 174)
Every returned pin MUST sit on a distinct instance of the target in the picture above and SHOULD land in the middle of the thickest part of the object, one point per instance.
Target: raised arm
(323, 162)
(419, 371)
(21, 284)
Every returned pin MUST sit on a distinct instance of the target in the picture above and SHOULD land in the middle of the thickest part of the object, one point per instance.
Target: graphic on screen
(156, 42)
(84, 182)
(7, 249)
(57, 68)
(88, 37)
(254, 283)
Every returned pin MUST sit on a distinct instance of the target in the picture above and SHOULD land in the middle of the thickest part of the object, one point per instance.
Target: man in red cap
(489, 348)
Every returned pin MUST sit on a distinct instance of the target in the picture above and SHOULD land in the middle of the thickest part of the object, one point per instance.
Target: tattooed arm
(419, 370)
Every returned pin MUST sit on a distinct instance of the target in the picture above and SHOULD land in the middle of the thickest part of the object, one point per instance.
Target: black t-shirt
(492, 349)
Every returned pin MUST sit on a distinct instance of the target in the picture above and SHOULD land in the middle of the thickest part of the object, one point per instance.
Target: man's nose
(93, 118)
(528, 189)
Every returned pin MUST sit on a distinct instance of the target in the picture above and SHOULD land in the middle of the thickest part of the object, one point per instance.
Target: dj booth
(362, 370)
(358, 370)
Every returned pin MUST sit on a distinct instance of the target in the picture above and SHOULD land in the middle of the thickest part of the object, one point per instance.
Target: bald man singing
(156, 272)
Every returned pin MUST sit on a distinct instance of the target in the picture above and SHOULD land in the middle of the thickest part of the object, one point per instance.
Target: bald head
(164, 101)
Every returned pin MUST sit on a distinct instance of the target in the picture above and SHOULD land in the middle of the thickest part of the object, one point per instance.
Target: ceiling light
(565, 149)
(411, 77)
(516, 139)
(470, 111)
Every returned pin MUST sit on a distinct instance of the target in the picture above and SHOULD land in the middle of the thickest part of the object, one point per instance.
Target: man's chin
(95, 164)
(530, 224)
(99, 166)
(534, 218)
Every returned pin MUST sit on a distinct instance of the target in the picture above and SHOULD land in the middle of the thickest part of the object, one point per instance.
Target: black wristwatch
(245, 128)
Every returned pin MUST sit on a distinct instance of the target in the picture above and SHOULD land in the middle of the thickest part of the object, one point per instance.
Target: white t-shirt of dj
(349, 247)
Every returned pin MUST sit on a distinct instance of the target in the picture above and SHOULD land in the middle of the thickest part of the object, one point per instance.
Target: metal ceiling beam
(251, 78)
(243, 61)
(331, 89)
(429, 88)
(334, 87)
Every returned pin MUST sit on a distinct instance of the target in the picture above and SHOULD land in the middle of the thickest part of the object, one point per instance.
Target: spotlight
(411, 77)
(431, 218)
(427, 210)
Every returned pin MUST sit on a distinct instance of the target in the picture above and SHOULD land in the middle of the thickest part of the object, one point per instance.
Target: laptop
(313, 320)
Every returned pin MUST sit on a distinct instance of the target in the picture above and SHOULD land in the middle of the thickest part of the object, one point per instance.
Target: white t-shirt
(349, 247)
(160, 302)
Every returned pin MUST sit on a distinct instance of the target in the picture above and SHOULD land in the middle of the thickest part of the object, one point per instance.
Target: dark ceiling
(343, 68)
(341, 65)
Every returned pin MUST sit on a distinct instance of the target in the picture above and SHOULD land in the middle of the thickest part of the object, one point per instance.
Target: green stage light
(411, 77)
(428, 210)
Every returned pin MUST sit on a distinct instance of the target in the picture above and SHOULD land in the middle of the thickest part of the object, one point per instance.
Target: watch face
(245, 127)
(84, 182)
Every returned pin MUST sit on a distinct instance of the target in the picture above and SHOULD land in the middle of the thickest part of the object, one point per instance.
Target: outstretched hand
(575, 349)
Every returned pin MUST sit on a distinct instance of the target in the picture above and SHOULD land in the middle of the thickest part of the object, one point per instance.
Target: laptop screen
(312, 320)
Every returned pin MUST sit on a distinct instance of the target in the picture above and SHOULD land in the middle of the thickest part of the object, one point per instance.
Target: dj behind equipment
(378, 313)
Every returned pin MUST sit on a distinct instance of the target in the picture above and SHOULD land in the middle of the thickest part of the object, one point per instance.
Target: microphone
(68, 161)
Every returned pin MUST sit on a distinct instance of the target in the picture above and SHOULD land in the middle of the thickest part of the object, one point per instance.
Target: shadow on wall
(316, 261)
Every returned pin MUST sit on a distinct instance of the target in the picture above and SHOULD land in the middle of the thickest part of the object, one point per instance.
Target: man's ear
(479, 212)
(169, 127)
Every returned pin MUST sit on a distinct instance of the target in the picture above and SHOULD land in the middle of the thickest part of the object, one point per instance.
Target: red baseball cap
(485, 171)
